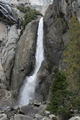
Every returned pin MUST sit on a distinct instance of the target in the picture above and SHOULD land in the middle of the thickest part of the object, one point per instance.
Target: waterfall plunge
(28, 89)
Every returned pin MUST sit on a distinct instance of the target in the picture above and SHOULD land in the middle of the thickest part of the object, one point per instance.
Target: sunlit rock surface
(9, 35)
(39, 2)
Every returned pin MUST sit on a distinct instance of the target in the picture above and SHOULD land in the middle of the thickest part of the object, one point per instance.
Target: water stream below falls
(28, 89)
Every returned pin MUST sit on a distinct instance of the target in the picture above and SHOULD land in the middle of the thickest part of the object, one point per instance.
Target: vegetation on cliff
(60, 96)
(61, 24)
(30, 14)
(24, 9)
(66, 85)
(72, 55)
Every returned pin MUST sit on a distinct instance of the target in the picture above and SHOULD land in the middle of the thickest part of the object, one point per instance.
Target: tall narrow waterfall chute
(28, 89)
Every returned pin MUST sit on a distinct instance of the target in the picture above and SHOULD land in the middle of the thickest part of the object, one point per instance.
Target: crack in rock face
(6, 12)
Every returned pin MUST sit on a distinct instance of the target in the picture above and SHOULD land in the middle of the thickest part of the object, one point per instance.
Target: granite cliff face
(10, 34)
(14, 67)
(56, 22)
(17, 54)
(17, 50)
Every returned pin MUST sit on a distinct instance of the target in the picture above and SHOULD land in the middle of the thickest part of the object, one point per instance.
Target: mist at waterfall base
(28, 88)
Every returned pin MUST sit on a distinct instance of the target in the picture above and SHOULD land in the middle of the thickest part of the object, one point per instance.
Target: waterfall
(28, 89)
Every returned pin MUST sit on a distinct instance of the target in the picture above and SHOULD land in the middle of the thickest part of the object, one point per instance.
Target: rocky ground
(33, 111)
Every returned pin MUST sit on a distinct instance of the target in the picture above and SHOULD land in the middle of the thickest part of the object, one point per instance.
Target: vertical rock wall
(8, 38)
(56, 22)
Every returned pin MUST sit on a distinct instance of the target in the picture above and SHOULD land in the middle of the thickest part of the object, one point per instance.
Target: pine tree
(59, 94)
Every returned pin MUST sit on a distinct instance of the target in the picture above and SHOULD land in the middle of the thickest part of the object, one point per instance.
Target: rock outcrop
(6, 13)
(25, 55)
(9, 35)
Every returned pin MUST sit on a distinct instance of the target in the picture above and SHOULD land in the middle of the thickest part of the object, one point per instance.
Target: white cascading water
(28, 89)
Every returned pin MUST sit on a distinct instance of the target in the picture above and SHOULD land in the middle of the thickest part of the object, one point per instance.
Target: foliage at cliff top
(30, 14)
(24, 9)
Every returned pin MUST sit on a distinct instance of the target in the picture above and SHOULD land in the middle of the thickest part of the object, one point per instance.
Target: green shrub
(30, 14)
(54, 118)
(77, 103)
(24, 9)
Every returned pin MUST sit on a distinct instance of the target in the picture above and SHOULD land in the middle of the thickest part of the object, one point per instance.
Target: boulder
(75, 118)
(38, 117)
(12, 118)
(51, 116)
(45, 118)
(47, 113)
(3, 117)
(29, 109)
(22, 117)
